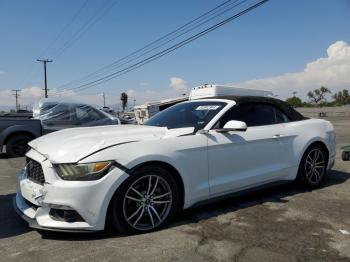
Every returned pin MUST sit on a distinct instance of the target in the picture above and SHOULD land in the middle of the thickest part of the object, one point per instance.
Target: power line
(66, 26)
(167, 50)
(34, 72)
(97, 16)
(198, 19)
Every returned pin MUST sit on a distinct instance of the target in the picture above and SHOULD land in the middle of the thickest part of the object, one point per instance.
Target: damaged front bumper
(27, 213)
(69, 206)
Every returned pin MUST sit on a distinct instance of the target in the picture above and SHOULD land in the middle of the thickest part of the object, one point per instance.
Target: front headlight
(83, 172)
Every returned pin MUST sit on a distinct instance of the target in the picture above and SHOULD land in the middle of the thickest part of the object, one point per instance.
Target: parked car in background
(106, 109)
(56, 115)
(16, 132)
(140, 176)
(48, 116)
(19, 113)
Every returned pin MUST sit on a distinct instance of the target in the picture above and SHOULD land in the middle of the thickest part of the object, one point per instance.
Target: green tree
(318, 95)
(294, 101)
(342, 97)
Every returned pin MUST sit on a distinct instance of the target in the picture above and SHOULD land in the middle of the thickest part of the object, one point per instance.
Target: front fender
(185, 154)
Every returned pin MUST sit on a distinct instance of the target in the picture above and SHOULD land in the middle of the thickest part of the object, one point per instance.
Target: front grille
(35, 172)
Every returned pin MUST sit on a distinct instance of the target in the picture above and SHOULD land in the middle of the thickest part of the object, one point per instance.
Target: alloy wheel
(315, 166)
(147, 202)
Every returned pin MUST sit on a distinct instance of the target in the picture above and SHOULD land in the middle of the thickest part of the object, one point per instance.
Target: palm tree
(124, 99)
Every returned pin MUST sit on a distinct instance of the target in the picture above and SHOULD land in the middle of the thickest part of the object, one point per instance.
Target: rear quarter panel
(302, 134)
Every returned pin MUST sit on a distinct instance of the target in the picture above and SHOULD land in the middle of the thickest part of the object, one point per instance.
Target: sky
(282, 46)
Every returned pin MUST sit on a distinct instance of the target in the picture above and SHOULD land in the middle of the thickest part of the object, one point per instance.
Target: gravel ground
(285, 223)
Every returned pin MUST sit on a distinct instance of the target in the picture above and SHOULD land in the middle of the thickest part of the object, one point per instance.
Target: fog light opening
(65, 215)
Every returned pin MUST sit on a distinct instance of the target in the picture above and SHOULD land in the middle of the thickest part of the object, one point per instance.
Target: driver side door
(242, 159)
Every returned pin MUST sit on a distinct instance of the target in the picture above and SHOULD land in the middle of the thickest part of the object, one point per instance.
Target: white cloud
(28, 96)
(151, 95)
(177, 84)
(332, 71)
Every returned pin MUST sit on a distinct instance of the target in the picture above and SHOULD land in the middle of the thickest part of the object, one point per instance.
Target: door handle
(278, 136)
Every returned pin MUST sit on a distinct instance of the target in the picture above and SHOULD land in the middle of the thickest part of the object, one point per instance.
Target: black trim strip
(121, 167)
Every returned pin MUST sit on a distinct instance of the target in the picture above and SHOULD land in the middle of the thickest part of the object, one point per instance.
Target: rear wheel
(17, 145)
(146, 201)
(313, 166)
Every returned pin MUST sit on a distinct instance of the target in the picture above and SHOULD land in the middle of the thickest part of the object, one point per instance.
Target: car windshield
(195, 114)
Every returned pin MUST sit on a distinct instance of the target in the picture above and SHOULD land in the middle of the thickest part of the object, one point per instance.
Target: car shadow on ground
(13, 225)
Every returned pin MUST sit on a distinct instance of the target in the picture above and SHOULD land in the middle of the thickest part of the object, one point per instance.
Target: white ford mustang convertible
(139, 177)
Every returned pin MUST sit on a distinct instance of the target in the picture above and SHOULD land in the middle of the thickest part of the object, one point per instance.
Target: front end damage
(47, 202)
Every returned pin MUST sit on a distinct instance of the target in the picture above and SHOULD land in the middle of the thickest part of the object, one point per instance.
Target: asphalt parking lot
(285, 223)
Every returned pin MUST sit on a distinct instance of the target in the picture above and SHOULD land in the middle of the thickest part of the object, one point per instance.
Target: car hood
(72, 145)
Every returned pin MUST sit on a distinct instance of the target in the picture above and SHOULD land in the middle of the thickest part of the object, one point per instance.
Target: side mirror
(233, 125)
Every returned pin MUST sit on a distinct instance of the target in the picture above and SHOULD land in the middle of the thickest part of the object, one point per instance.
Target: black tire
(17, 145)
(345, 156)
(122, 208)
(314, 158)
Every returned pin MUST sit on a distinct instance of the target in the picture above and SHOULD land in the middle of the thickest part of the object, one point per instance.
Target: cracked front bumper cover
(19, 205)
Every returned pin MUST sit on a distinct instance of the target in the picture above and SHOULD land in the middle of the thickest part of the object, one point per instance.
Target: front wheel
(313, 167)
(146, 201)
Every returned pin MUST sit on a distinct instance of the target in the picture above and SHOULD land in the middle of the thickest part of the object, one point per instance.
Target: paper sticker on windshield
(210, 107)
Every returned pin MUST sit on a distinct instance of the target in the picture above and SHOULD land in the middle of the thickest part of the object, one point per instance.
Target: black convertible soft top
(292, 114)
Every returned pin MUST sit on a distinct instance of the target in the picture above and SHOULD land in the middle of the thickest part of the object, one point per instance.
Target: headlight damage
(84, 172)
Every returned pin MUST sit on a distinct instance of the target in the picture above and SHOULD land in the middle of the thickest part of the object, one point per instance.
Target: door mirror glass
(233, 125)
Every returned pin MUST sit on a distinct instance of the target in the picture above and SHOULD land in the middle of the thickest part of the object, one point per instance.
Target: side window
(87, 114)
(81, 114)
(240, 112)
(60, 112)
(281, 117)
(261, 115)
(254, 114)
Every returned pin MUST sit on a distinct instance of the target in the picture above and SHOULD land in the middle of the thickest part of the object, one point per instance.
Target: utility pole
(104, 99)
(16, 95)
(45, 61)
